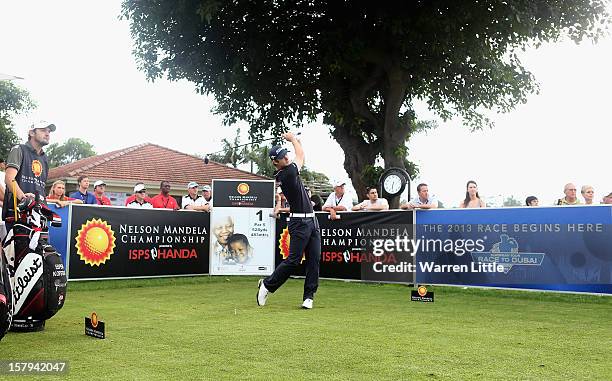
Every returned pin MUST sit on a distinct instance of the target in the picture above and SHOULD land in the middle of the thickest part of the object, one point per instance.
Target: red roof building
(147, 163)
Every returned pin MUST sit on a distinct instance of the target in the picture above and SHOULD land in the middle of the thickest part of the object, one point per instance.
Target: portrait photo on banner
(240, 242)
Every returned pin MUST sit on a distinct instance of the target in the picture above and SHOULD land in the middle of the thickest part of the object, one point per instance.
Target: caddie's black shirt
(293, 189)
(32, 169)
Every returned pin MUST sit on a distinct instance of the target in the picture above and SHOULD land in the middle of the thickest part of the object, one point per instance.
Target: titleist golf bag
(36, 271)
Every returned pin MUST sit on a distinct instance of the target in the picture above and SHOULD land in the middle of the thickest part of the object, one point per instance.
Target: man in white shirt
(373, 202)
(207, 193)
(422, 201)
(140, 192)
(193, 201)
(337, 201)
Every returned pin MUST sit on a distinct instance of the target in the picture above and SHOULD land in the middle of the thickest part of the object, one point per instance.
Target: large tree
(13, 100)
(362, 65)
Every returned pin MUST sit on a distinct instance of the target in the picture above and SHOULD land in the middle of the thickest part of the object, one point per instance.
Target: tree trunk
(395, 132)
(357, 155)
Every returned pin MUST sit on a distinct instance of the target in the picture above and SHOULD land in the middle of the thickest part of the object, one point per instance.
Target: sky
(76, 61)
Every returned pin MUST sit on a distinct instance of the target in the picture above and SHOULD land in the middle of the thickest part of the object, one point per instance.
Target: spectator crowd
(336, 201)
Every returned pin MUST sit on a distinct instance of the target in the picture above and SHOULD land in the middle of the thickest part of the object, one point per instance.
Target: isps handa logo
(283, 244)
(243, 189)
(37, 168)
(95, 242)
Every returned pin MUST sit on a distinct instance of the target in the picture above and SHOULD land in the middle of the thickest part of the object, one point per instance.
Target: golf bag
(36, 271)
(6, 298)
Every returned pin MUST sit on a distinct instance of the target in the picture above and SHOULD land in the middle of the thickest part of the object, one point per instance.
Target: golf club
(206, 159)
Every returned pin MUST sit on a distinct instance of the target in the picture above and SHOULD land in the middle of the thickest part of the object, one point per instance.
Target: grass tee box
(211, 328)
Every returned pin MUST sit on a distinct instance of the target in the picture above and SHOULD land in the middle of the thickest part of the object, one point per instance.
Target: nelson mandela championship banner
(369, 246)
(242, 230)
(111, 242)
(547, 248)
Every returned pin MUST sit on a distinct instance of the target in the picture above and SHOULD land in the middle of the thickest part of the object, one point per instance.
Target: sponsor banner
(548, 248)
(58, 237)
(117, 242)
(243, 193)
(242, 231)
(360, 246)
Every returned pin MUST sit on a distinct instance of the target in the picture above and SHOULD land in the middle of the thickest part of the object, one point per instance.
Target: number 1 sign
(242, 231)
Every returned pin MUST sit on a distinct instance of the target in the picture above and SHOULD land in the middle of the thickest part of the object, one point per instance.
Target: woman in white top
(472, 198)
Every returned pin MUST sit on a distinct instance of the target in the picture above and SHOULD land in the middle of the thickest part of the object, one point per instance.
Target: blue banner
(542, 248)
(548, 248)
(58, 237)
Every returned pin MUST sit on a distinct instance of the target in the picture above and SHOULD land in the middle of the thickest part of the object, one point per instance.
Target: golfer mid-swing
(303, 226)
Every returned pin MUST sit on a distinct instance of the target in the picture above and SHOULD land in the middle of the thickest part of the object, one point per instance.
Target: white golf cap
(42, 124)
(98, 183)
(139, 187)
(192, 184)
(206, 188)
(339, 183)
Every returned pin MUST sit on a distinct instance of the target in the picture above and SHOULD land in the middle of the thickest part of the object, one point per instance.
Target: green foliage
(276, 64)
(8, 139)
(13, 101)
(412, 169)
(232, 152)
(511, 201)
(370, 175)
(272, 62)
(310, 176)
(71, 150)
(259, 156)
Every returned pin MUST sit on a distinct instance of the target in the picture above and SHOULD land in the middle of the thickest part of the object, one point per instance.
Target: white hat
(192, 184)
(139, 187)
(339, 183)
(98, 183)
(206, 188)
(42, 124)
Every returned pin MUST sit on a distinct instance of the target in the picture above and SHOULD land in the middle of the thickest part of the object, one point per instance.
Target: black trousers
(305, 238)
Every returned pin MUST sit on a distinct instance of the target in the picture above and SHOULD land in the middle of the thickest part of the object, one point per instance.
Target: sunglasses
(142, 191)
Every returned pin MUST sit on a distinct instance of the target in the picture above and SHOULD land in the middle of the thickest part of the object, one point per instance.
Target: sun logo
(422, 290)
(243, 188)
(37, 168)
(94, 319)
(95, 242)
(283, 244)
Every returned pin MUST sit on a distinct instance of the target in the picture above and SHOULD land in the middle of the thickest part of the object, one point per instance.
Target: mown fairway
(211, 328)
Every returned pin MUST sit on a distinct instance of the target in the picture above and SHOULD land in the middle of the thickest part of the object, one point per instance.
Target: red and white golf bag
(36, 271)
